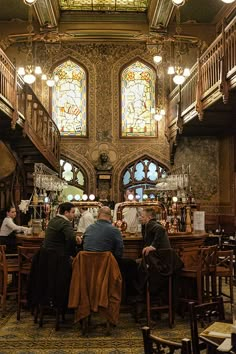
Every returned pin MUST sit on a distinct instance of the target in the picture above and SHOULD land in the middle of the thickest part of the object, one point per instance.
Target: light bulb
(178, 2)
(158, 117)
(84, 197)
(69, 197)
(157, 59)
(178, 79)
(38, 70)
(30, 2)
(186, 72)
(162, 112)
(175, 199)
(91, 197)
(137, 197)
(29, 78)
(145, 197)
(77, 197)
(171, 70)
(50, 82)
(130, 197)
(21, 71)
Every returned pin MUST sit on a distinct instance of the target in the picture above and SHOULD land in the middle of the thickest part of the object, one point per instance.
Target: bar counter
(180, 241)
(133, 243)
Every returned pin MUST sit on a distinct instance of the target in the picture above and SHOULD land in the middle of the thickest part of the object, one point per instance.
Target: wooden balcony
(21, 111)
(205, 103)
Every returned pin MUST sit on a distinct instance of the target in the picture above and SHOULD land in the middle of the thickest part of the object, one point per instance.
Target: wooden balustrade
(212, 75)
(20, 101)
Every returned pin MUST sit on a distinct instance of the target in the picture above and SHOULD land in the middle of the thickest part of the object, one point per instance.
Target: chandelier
(30, 70)
(179, 73)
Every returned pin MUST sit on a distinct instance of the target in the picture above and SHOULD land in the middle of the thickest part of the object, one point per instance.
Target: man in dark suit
(154, 234)
(60, 235)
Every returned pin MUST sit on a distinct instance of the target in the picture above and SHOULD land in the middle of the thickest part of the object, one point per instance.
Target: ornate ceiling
(104, 5)
(101, 20)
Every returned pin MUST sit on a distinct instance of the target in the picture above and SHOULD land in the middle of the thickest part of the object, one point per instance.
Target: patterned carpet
(25, 337)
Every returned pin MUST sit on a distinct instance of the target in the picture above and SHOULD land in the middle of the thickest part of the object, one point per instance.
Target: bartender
(9, 229)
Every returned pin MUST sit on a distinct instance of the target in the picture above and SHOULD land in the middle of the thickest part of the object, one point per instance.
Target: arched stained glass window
(141, 175)
(72, 174)
(137, 101)
(69, 95)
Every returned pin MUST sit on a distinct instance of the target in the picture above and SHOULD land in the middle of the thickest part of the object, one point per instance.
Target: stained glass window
(69, 99)
(141, 175)
(137, 101)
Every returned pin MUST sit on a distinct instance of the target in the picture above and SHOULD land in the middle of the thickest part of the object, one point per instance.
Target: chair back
(25, 257)
(224, 262)
(207, 261)
(96, 285)
(154, 344)
(203, 315)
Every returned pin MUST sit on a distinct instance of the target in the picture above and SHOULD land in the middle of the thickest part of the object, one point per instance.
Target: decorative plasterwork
(159, 13)
(47, 12)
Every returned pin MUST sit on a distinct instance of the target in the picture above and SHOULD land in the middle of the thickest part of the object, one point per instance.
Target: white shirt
(8, 226)
(85, 220)
(130, 216)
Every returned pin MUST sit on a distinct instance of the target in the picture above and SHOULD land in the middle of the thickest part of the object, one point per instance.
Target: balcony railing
(210, 79)
(17, 99)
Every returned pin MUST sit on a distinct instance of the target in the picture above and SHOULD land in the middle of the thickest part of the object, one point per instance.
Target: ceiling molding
(48, 12)
(159, 13)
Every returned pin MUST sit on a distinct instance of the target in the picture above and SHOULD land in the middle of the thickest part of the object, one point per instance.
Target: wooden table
(29, 240)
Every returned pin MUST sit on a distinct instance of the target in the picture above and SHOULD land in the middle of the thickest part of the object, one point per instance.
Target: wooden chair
(49, 285)
(8, 265)
(203, 315)
(25, 256)
(224, 269)
(96, 286)
(200, 267)
(154, 344)
(161, 273)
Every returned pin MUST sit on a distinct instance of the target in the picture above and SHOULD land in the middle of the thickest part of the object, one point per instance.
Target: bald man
(103, 236)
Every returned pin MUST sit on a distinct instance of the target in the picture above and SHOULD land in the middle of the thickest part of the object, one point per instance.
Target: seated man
(103, 236)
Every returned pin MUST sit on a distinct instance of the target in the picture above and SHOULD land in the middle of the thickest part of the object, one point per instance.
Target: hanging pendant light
(29, 2)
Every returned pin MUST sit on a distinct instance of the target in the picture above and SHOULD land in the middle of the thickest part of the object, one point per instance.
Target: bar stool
(202, 271)
(224, 269)
(8, 266)
(25, 257)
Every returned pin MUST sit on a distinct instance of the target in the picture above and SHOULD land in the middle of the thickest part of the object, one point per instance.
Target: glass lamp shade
(186, 72)
(162, 112)
(178, 79)
(84, 197)
(38, 70)
(29, 78)
(21, 71)
(157, 59)
(178, 2)
(50, 82)
(130, 197)
(44, 77)
(175, 199)
(158, 117)
(145, 197)
(171, 70)
(228, 1)
(30, 2)
(91, 197)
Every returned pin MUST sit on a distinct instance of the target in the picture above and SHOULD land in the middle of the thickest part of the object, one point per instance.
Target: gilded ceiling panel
(104, 5)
